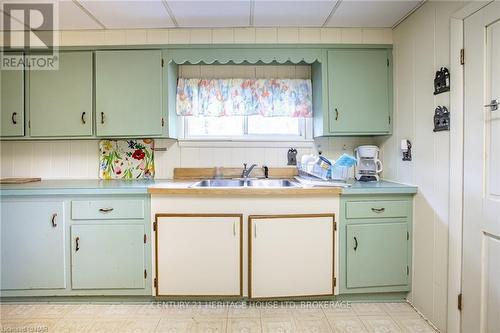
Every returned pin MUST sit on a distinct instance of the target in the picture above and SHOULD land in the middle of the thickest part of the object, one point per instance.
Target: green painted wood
(376, 209)
(60, 101)
(32, 248)
(129, 93)
(377, 244)
(255, 55)
(377, 255)
(359, 88)
(107, 209)
(12, 102)
(108, 256)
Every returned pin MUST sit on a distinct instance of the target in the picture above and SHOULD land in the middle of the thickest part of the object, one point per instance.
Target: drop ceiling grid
(149, 14)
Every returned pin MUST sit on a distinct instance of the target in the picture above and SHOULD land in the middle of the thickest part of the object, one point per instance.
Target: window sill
(247, 143)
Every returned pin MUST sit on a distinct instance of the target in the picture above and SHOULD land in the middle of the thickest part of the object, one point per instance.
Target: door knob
(493, 105)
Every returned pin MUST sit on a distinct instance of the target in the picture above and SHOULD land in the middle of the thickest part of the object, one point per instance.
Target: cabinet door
(291, 256)
(32, 245)
(359, 92)
(129, 93)
(199, 255)
(60, 101)
(377, 255)
(107, 256)
(12, 102)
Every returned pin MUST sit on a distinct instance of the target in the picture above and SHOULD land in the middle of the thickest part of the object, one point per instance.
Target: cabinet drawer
(107, 209)
(376, 209)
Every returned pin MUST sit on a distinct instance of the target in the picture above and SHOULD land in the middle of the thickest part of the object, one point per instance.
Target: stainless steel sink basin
(272, 183)
(220, 183)
(238, 183)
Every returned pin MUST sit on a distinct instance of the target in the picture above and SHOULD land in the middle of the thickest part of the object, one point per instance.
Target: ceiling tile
(71, 17)
(123, 14)
(292, 13)
(372, 13)
(229, 13)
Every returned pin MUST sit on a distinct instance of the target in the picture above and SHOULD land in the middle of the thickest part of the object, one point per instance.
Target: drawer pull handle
(77, 244)
(106, 210)
(336, 114)
(355, 243)
(13, 118)
(102, 117)
(53, 220)
(378, 210)
(83, 118)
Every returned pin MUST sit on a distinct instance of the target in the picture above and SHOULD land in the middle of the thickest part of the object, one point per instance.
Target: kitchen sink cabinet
(359, 93)
(199, 255)
(375, 243)
(12, 102)
(108, 256)
(32, 245)
(291, 255)
(61, 101)
(129, 93)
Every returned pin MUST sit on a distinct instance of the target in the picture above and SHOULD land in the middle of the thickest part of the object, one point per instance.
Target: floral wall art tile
(126, 159)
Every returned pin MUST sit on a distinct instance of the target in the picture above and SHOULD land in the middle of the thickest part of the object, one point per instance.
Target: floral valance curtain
(244, 97)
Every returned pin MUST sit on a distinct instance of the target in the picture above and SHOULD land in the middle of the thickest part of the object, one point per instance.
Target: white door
(481, 230)
(199, 255)
(291, 256)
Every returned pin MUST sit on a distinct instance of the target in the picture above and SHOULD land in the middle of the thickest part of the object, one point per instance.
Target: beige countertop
(183, 188)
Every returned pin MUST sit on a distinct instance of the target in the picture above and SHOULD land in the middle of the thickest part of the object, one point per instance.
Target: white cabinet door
(199, 255)
(291, 255)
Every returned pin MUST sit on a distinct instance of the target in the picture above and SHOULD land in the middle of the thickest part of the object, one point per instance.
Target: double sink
(238, 183)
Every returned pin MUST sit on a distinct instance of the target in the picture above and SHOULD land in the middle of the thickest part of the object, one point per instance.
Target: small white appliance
(368, 165)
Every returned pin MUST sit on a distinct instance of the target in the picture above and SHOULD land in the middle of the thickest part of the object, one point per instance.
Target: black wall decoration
(441, 119)
(442, 81)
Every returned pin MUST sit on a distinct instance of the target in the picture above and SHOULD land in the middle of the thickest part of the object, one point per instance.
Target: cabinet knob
(77, 244)
(355, 243)
(53, 220)
(83, 118)
(14, 118)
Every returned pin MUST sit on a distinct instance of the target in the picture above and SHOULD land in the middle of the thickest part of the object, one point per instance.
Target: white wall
(421, 46)
(79, 159)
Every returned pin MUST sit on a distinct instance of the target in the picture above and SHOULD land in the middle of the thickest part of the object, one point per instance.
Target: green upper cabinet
(12, 102)
(359, 92)
(129, 93)
(60, 101)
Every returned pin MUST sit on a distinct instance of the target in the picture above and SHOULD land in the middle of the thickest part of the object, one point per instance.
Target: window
(244, 127)
(267, 109)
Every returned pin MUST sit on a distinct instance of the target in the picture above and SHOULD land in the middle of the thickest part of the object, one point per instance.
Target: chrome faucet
(246, 172)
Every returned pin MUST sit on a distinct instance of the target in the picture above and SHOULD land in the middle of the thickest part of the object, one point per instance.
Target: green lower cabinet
(377, 255)
(33, 245)
(47, 252)
(375, 237)
(108, 256)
